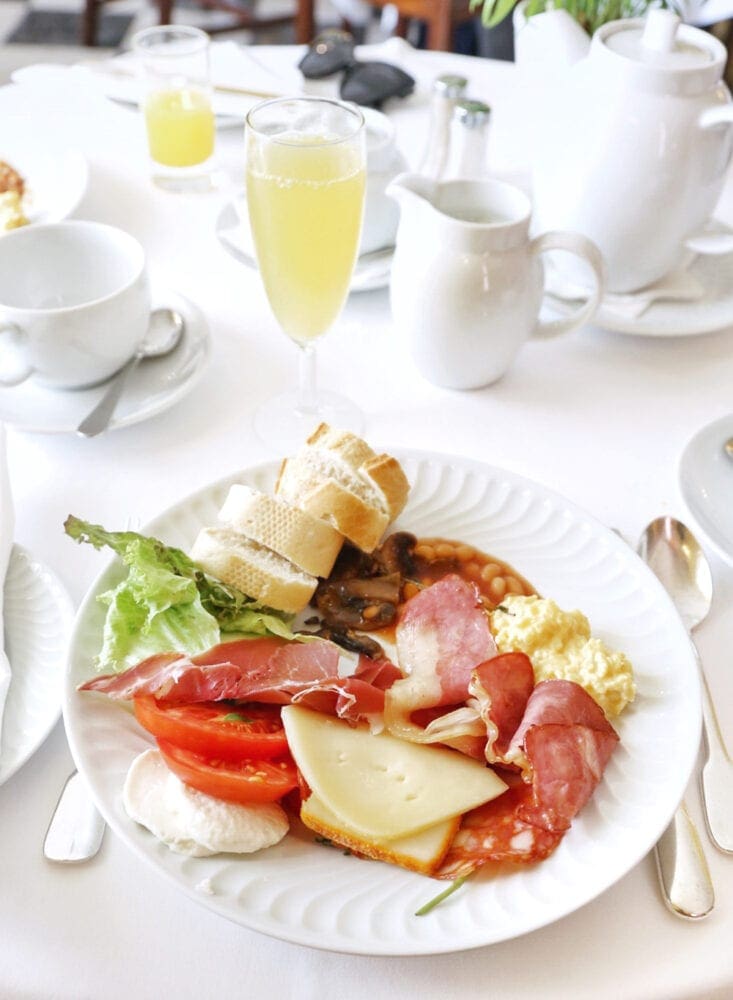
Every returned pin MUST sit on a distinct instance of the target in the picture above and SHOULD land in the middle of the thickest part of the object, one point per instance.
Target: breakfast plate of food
(40, 180)
(367, 715)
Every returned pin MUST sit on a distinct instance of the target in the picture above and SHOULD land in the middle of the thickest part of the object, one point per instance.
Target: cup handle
(18, 370)
(587, 250)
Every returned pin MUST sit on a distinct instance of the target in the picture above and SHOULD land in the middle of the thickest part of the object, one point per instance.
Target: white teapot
(635, 151)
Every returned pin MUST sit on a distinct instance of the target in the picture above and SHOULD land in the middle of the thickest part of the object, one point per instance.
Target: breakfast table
(597, 416)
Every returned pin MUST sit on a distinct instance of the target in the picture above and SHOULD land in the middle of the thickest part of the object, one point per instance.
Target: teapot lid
(660, 42)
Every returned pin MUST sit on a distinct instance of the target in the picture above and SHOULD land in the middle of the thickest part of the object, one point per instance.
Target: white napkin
(7, 525)
(679, 285)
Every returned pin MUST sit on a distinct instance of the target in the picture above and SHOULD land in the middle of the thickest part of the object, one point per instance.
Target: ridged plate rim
(37, 615)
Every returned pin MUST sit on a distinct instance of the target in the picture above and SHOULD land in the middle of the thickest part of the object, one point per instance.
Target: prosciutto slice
(442, 634)
(265, 669)
(359, 697)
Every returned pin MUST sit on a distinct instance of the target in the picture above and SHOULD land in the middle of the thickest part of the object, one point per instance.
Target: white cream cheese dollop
(191, 822)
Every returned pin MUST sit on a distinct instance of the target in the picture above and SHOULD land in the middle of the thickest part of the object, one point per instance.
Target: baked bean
(426, 552)
(465, 552)
(445, 551)
(497, 588)
(409, 590)
(371, 612)
(489, 571)
(472, 570)
(513, 586)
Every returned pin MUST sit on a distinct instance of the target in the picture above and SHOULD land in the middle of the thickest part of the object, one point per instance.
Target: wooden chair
(441, 18)
(244, 16)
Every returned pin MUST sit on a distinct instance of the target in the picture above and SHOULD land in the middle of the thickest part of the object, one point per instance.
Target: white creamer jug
(467, 281)
(635, 151)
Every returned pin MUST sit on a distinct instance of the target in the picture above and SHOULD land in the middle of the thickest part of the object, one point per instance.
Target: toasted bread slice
(254, 569)
(310, 543)
(420, 852)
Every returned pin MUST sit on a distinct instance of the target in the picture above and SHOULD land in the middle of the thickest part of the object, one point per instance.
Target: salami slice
(567, 763)
(497, 832)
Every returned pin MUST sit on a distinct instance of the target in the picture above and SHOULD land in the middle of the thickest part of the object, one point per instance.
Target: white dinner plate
(55, 176)
(154, 386)
(311, 894)
(371, 271)
(706, 482)
(711, 312)
(37, 615)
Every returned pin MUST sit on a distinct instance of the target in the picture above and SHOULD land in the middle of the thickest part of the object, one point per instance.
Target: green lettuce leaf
(167, 603)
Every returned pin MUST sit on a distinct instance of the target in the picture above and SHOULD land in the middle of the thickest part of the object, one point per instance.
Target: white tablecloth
(601, 418)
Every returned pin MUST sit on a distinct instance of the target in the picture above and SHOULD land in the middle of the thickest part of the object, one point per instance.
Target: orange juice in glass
(179, 119)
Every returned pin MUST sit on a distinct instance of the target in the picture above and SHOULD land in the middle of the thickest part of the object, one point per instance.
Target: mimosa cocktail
(305, 208)
(305, 193)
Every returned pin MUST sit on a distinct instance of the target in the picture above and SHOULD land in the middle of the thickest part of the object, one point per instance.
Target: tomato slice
(243, 781)
(215, 728)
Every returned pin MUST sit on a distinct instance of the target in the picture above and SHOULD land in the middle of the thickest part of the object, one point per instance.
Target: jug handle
(720, 114)
(587, 250)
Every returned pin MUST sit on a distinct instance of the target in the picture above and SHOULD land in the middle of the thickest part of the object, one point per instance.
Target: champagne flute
(306, 167)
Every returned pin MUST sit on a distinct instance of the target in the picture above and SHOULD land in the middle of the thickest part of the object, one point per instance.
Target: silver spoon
(682, 868)
(164, 332)
(676, 557)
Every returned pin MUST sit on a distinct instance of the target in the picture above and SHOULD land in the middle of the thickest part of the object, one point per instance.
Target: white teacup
(74, 303)
(467, 282)
(384, 163)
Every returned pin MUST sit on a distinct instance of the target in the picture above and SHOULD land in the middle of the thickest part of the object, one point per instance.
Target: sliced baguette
(254, 569)
(381, 473)
(310, 543)
(337, 476)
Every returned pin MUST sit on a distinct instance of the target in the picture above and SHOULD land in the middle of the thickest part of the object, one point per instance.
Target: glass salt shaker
(469, 135)
(447, 90)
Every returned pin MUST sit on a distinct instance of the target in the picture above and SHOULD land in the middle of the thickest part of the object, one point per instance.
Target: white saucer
(155, 385)
(38, 615)
(665, 318)
(706, 482)
(372, 270)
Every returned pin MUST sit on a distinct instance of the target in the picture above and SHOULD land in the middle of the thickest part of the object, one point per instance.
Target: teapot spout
(551, 38)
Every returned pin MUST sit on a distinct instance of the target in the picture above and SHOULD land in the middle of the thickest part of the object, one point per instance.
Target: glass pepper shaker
(447, 90)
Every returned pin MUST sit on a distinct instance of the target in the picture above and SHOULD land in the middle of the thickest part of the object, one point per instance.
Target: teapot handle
(587, 250)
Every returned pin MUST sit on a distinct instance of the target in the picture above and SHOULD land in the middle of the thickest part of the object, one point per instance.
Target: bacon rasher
(442, 635)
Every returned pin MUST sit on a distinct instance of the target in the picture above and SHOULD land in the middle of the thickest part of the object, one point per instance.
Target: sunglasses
(365, 83)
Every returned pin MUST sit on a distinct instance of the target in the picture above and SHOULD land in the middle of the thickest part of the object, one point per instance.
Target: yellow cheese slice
(380, 786)
(420, 852)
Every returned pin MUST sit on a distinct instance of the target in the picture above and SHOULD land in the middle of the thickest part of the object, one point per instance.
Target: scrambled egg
(560, 645)
(11, 211)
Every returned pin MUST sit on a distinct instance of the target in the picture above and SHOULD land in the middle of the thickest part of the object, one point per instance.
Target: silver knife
(76, 829)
